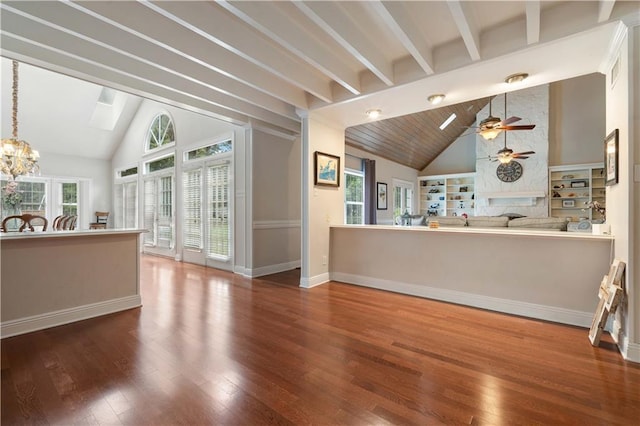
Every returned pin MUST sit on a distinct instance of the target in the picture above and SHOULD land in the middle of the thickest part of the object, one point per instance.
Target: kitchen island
(550, 275)
(58, 277)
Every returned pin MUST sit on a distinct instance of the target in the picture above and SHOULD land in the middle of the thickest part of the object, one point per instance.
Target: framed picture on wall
(611, 158)
(382, 195)
(326, 169)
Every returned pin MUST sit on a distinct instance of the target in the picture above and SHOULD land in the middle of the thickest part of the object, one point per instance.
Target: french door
(158, 217)
(207, 228)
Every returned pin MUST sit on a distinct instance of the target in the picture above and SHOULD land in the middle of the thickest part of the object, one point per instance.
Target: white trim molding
(507, 306)
(315, 280)
(271, 269)
(276, 224)
(66, 316)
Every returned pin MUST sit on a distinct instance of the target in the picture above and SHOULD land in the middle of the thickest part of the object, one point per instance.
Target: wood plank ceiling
(415, 139)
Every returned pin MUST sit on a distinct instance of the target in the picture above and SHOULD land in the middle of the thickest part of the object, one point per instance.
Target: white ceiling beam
(331, 18)
(271, 19)
(142, 22)
(16, 25)
(83, 26)
(396, 18)
(605, 7)
(202, 19)
(466, 27)
(38, 54)
(533, 21)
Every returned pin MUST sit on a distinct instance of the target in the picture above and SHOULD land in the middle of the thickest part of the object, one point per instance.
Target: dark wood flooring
(212, 348)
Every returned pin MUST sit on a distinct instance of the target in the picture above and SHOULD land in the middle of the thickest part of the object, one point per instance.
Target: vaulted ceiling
(269, 63)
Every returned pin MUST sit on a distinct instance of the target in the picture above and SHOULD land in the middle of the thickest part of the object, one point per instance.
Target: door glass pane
(218, 210)
(192, 208)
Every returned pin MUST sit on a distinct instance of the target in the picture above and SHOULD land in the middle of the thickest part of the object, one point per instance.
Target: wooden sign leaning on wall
(610, 294)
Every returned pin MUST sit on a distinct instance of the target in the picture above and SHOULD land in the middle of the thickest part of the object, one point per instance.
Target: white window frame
(148, 150)
(404, 185)
(347, 203)
(120, 217)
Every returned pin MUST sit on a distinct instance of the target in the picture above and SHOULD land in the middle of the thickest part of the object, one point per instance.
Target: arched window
(161, 132)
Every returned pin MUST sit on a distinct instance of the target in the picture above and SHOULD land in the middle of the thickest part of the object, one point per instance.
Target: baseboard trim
(66, 316)
(514, 307)
(315, 281)
(272, 269)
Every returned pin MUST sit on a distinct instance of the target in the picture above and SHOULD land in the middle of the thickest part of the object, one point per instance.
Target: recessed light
(516, 78)
(373, 113)
(435, 99)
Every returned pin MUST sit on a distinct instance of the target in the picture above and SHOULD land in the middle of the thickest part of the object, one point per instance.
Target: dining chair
(24, 221)
(57, 222)
(101, 221)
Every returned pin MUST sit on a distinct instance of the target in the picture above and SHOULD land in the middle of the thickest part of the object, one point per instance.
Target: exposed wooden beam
(78, 24)
(272, 20)
(533, 21)
(223, 30)
(395, 16)
(139, 21)
(605, 7)
(466, 27)
(335, 22)
(137, 74)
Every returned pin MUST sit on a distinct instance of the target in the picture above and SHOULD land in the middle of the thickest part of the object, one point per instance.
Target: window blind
(149, 212)
(130, 204)
(218, 210)
(192, 208)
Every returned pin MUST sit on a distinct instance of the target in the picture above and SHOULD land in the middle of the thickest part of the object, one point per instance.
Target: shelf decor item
(382, 195)
(568, 203)
(611, 158)
(326, 169)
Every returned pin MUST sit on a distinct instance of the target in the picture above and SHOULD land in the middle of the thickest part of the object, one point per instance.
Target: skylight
(448, 121)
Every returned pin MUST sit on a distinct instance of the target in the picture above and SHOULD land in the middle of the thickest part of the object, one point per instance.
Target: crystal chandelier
(17, 156)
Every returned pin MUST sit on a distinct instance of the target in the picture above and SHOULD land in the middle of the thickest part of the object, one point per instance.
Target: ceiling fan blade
(520, 127)
(520, 157)
(525, 153)
(510, 120)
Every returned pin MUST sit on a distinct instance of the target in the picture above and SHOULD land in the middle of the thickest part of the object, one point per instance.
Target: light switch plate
(636, 173)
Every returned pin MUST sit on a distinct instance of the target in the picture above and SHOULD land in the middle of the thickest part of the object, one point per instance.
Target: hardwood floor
(210, 347)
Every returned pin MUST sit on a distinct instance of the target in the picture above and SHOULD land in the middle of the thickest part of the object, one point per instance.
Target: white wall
(459, 157)
(576, 124)
(386, 171)
(620, 215)
(633, 285)
(276, 203)
(322, 206)
(531, 105)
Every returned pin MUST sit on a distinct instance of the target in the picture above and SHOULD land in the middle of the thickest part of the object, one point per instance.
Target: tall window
(158, 202)
(125, 202)
(207, 203)
(402, 197)
(23, 196)
(161, 133)
(69, 198)
(354, 197)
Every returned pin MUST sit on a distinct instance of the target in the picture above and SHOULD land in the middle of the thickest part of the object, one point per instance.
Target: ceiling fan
(505, 155)
(491, 126)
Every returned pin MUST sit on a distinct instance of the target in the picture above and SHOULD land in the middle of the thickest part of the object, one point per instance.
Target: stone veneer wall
(532, 105)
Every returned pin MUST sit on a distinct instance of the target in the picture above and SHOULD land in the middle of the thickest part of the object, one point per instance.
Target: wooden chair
(101, 221)
(25, 220)
(57, 222)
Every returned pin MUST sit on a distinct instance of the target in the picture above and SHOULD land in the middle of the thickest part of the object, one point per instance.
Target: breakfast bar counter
(550, 275)
(53, 278)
